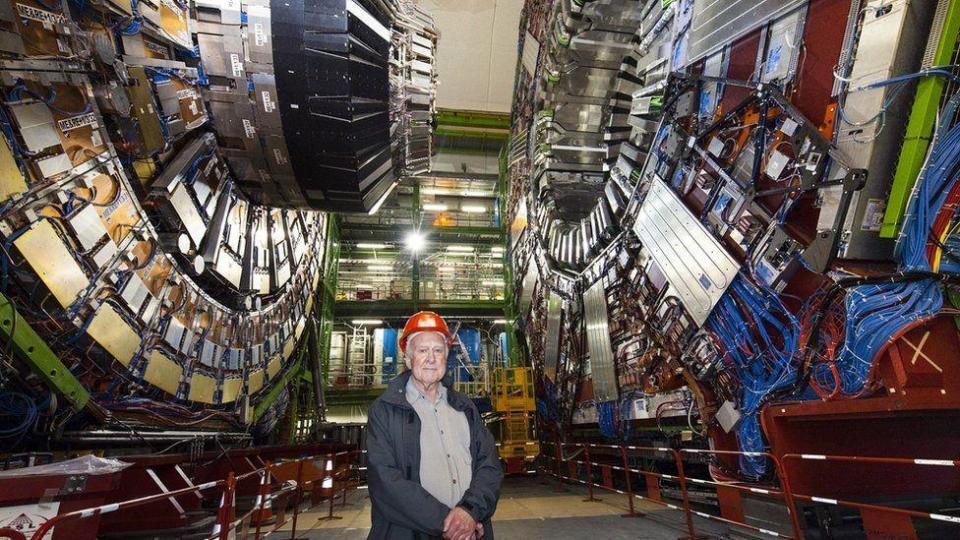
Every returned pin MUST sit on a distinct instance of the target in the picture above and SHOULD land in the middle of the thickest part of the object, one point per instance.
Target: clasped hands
(460, 525)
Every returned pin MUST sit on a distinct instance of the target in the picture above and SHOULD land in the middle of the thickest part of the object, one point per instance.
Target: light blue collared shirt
(445, 462)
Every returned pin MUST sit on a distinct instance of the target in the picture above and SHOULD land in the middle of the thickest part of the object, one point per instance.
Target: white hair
(406, 357)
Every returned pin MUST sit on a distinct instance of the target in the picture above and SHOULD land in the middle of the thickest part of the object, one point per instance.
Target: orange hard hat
(424, 321)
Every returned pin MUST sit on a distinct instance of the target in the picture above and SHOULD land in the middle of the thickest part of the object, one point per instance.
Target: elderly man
(433, 469)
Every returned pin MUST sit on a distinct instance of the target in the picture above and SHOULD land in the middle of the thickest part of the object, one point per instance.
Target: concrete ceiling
(477, 52)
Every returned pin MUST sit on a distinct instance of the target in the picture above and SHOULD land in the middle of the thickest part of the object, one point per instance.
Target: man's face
(427, 356)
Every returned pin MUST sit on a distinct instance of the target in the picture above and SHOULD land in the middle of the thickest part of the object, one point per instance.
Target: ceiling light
(379, 268)
(496, 249)
(462, 249)
(492, 282)
(499, 321)
(435, 207)
(371, 246)
(471, 209)
(415, 241)
(477, 193)
(366, 321)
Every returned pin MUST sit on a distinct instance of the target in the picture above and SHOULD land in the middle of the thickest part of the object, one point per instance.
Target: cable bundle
(879, 314)
(607, 418)
(22, 410)
(759, 337)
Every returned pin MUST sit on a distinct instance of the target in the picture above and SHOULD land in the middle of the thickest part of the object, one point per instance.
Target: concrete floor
(528, 510)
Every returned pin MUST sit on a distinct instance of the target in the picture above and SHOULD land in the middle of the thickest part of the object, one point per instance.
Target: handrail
(226, 521)
(785, 492)
(113, 507)
(874, 507)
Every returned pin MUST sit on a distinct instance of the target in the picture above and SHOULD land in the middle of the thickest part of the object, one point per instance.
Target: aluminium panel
(694, 262)
(163, 372)
(717, 23)
(113, 334)
(273, 367)
(551, 349)
(255, 381)
(231, 390)
(202, 388)
(598, 343)
(88, 226)
(52, 261)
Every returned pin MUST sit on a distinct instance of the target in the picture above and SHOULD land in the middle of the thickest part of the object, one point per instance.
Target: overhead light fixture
(415, 241)
(497, 249)
(477, 193)
(371, 246)
(492, 282)
(471, 209)
(370, 322)
(461, 249)
(379, 268)
(435, 207)
(499, 321)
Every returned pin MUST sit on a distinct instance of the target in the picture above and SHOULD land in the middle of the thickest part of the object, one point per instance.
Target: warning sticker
(268, 104)
(39, 15)
(79, 121)
(26, 519)
(186, 93)
(873, 215)
(248, 129)
(259, 35)
(236, 64)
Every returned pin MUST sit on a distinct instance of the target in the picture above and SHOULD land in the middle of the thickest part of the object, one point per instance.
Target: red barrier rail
(901, 517)
(785, 494)
(325, 487)
(899, 524)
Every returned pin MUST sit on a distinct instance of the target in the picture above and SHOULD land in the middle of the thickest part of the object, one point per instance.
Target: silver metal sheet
(36, 126)
(88, 227)
(174, 333)
(551, 349)
(693, 261)
(717, 23)
(598, 343)
(187, 211)
(54, 165)
(134, 293)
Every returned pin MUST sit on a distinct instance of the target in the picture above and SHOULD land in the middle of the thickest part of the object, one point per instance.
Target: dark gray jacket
(401, 508)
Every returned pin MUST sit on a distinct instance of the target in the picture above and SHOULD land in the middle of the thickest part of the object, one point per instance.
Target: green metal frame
(328, 295)
(920, 127)
(293, 371)
(29, 347)
(509, 312)
(325, 297)
(415, 277)
(472, 119)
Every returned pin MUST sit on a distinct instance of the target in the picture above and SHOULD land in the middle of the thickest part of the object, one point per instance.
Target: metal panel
(694, 262)
(717, 23)
(598, 343)
(202, 388)
(52, 261)
(163, 373)
(113, 334)
(551, 349)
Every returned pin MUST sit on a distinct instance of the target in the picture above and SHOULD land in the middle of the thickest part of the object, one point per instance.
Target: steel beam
(29, 347)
